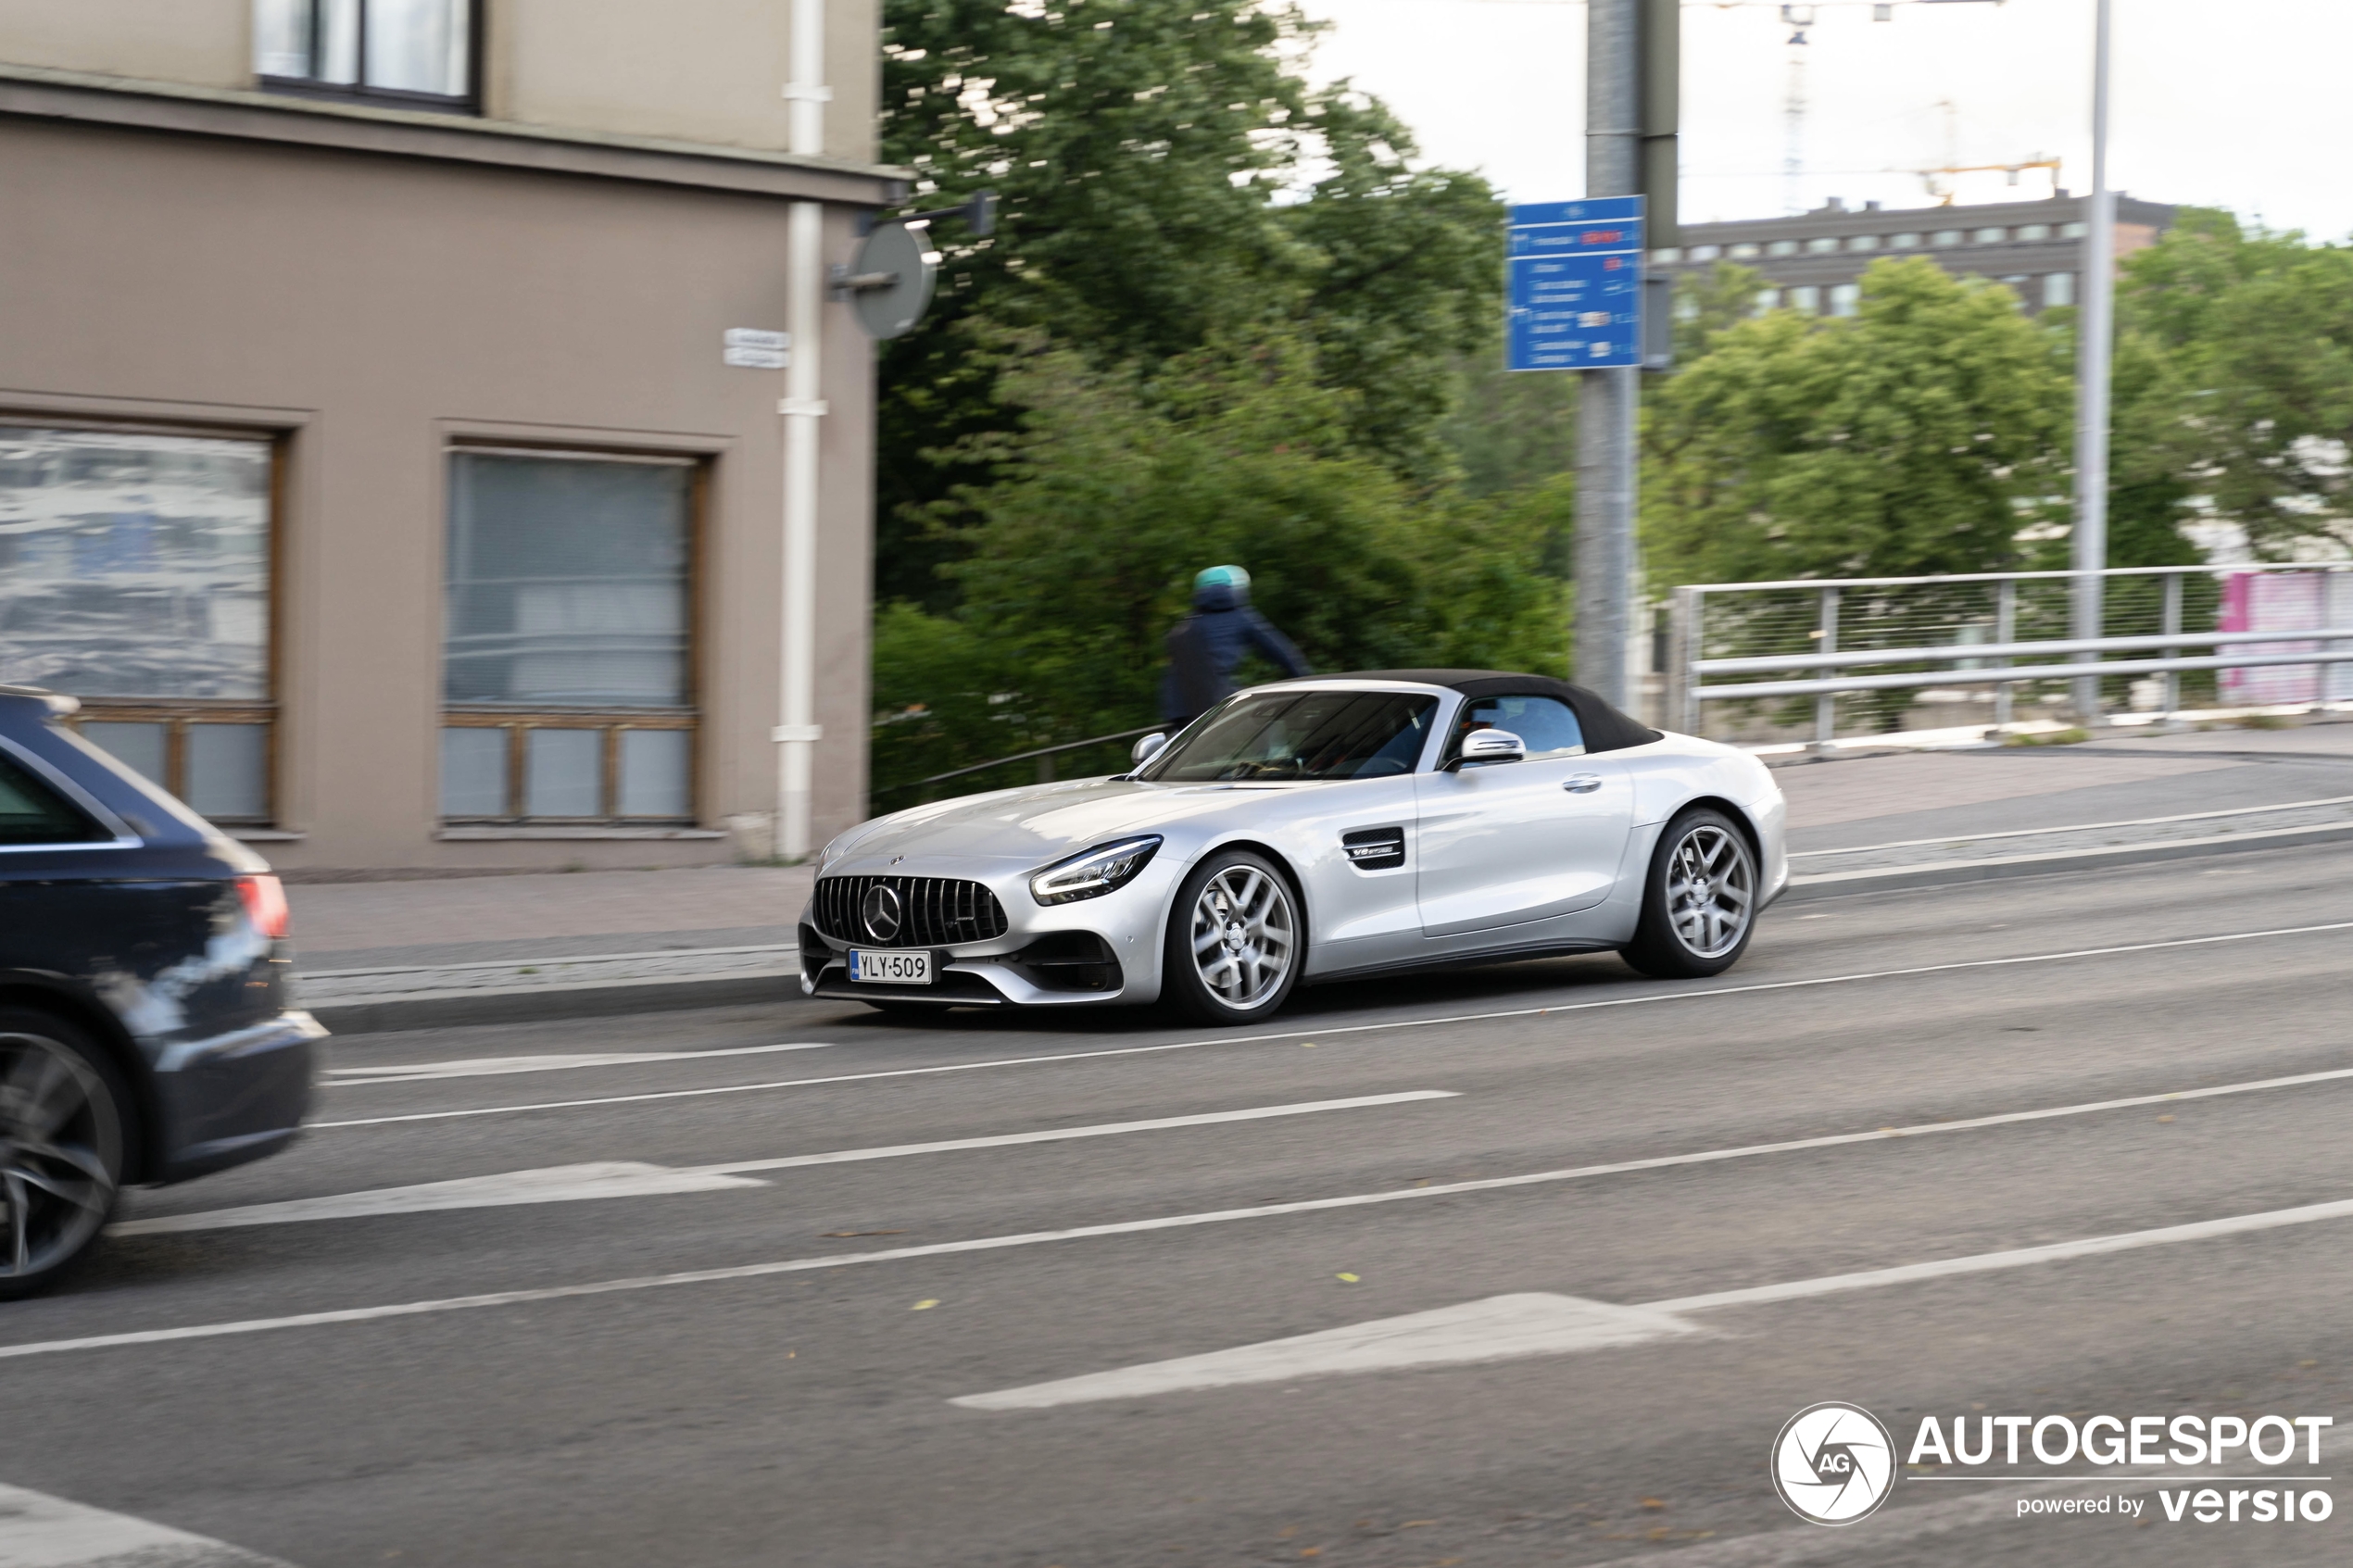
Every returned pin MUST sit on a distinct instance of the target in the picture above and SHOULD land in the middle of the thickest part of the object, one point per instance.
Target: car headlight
(1094, 874)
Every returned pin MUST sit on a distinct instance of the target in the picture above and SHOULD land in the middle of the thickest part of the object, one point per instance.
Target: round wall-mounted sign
(891, 310)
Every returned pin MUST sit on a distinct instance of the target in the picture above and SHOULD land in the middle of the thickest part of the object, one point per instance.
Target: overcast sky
(2227, 102)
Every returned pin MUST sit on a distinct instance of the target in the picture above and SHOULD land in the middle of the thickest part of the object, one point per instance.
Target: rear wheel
(1236, 942)
(1700, 903)
(63, 1112)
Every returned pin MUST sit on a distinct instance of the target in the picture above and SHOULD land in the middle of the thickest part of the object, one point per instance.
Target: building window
(2073, 231)
(1745, 251)
(135, 574)
(1667, 255)
(1823, 246)
(1863, 241)
(1782, 247)
(568, 691)
(416, 52)
(1845, 298)
(1989, 236)
(2017, 283)
(1945, 237)
(1903, 242)
(1767, 300)
(2034, 231)
(1706, 253)
(2059, 288)
(1805, 299)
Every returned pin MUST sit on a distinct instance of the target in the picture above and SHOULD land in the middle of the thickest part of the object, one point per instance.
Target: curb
(529, 1004)
(1838, 885)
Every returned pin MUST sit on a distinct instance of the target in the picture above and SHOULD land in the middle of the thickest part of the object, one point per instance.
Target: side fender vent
(1375, 850)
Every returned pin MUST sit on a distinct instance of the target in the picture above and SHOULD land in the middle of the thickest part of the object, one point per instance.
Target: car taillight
(265, 901)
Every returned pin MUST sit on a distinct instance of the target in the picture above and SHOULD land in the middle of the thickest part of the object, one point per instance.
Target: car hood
(1037, 823)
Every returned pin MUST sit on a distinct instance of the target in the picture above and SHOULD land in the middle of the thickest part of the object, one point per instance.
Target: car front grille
(934, 911)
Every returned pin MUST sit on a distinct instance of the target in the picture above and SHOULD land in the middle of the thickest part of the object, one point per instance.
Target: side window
(1544, 724)
(31, 812)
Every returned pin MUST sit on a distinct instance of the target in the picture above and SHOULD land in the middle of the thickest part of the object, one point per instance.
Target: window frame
(177, 713)
(521, 719)
(357, 91)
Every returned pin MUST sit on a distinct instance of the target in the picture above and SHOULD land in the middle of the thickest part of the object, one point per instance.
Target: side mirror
(1483, 746)
(1147, 747)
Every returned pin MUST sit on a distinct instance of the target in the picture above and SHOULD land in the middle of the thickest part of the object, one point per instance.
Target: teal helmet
(1221, 587)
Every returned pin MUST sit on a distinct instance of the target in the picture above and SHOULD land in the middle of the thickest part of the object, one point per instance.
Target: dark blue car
(145, 1030)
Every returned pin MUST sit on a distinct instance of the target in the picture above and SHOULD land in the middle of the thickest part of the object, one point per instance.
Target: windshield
(1319, 735)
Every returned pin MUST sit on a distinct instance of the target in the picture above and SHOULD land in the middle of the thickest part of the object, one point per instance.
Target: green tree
(1165, 180)
(1920, 435)
(2235, 382)
(1234, 454)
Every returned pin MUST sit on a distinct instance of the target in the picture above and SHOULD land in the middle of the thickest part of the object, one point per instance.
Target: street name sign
(1573, 286)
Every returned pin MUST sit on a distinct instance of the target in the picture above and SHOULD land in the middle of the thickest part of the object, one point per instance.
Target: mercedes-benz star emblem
(882, 911)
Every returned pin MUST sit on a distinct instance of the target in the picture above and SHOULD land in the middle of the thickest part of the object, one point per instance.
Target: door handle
(1582, 783)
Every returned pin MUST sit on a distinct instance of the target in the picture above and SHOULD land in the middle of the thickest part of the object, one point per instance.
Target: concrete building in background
(1812, 262)
(394, 455)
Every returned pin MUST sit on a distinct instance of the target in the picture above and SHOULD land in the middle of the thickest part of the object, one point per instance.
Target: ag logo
(1834, 1463)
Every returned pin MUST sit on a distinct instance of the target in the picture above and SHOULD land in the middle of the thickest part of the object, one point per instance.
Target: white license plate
(890, 968)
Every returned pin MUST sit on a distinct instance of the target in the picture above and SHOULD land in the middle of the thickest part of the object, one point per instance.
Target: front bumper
(234, 1097)
(1087, 953)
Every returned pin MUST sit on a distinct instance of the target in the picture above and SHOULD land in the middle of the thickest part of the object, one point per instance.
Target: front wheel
(62, 1116)
(1700, 903)
(1236, 942)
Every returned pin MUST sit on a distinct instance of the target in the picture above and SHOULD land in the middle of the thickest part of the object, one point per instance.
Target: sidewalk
(402, 954)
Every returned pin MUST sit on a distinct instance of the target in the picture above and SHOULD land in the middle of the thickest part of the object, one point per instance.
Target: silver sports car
(1312, 830)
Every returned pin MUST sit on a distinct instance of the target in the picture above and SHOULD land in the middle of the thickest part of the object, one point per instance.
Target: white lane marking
(560, 1183)
(488, 1066)
(1361, 1346)
(40, 1531)
(555, 1183)
(2018, 1258)
(1498, 1328)
(1339, 1029)
(1181, 1222)
(1754, 1295)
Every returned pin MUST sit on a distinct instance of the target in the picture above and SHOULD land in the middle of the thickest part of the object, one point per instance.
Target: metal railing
(1975, 630)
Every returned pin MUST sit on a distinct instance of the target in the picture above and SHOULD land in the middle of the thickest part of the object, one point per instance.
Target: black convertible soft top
(1605, 728)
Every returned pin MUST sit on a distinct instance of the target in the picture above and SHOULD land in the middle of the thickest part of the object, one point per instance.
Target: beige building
(401, 451)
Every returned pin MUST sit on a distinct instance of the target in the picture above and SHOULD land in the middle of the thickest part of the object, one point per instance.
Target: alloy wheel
(1711, 890)
(61, 1148)
(1244, 936)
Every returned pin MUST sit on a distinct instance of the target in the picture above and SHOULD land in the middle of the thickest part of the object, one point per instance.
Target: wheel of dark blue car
(62, 1120)
(1236, 942)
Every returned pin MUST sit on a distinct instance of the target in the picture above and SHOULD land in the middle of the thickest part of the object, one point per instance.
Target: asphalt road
(796, 1410)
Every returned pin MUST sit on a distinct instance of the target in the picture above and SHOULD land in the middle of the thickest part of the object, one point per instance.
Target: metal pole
(2095, 331)
(2172, 623)
(2004, 631)
(1691, 607)
(797, 733)
(1826, 705)
(1608, 399)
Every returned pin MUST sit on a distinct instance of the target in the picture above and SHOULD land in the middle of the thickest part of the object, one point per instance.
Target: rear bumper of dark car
(233, 1097)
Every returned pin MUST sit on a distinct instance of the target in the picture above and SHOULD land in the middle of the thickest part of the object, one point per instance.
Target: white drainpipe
(797, 733)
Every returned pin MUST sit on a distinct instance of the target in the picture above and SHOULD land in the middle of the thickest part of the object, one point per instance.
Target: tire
(1236, 941)
(65, 1116)
(1699, 905)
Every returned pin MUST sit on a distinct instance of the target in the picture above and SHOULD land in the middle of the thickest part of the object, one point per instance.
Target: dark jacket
(1204, 648)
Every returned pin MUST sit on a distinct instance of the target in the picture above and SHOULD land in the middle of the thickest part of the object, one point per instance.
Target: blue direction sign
(1575, 285)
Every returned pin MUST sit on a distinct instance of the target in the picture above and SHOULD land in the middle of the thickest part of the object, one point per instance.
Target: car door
(1508, 842)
